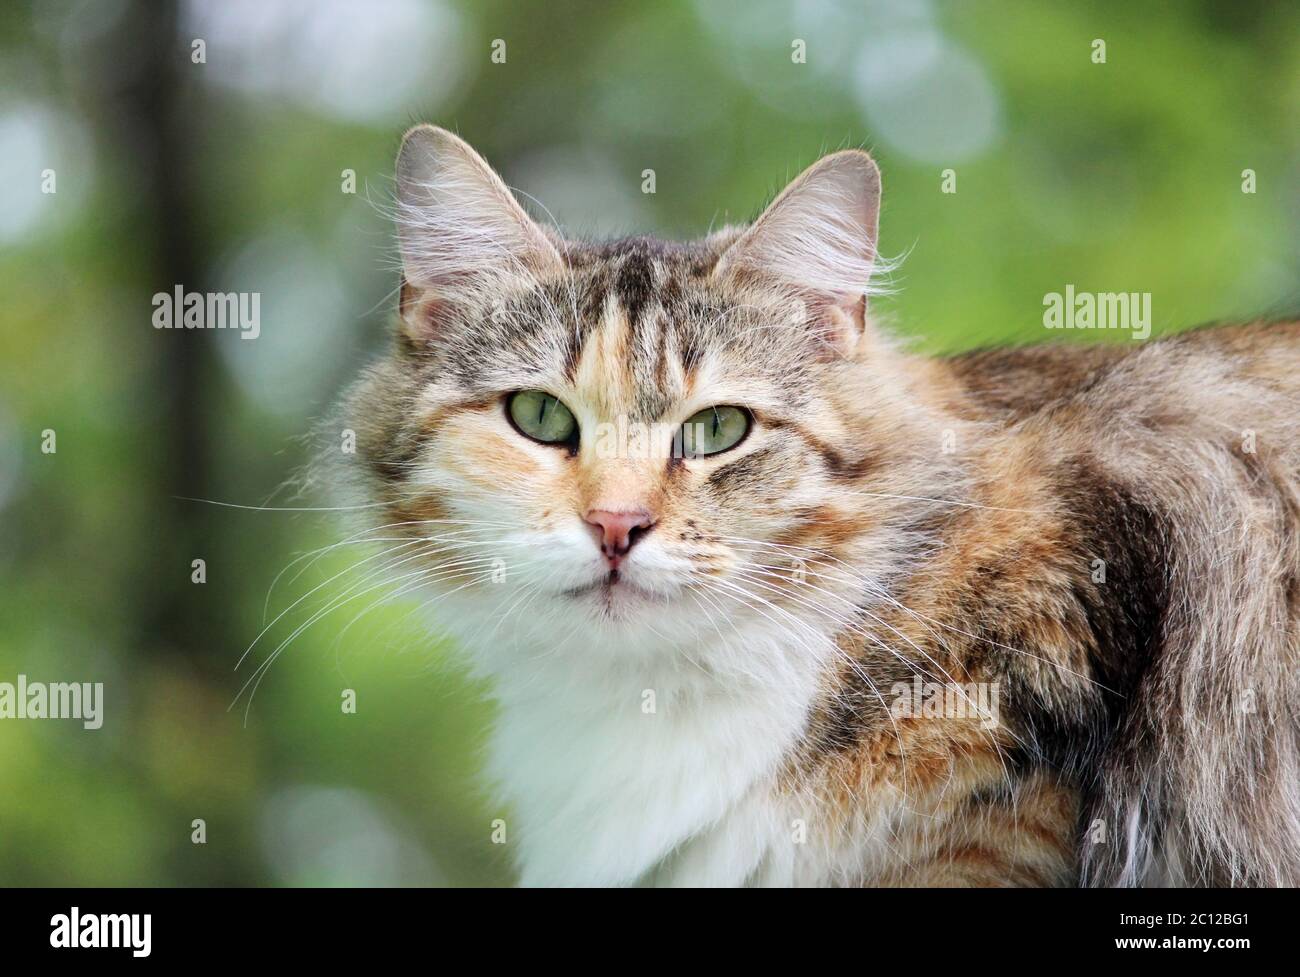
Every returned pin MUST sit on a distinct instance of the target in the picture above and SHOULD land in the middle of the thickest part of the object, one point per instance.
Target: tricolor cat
(706, 650)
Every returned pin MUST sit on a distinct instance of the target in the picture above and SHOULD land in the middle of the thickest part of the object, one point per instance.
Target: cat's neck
(611, 769)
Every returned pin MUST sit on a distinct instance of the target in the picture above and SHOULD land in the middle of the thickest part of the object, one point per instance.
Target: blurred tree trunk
(151, 114)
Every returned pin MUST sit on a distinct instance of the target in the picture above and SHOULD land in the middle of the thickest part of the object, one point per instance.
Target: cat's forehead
(634, 328)
(638, 345)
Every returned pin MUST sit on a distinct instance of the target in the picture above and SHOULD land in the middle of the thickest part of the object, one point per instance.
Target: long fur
(725, 712)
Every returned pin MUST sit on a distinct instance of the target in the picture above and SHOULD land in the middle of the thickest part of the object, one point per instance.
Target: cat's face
(640, 438)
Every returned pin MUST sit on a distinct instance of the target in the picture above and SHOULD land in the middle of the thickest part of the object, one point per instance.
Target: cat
(752, 641)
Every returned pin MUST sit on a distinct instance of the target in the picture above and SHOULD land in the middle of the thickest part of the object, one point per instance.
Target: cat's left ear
(817, 240)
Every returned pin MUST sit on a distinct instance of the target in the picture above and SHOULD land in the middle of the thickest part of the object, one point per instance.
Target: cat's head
(637, 438)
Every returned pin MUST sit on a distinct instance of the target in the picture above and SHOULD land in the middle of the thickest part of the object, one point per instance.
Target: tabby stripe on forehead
(661, 357)
(635, 286)
(577, 336)
(629, 294)
(634, 289)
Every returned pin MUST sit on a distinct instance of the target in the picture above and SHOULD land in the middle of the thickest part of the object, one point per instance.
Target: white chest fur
(622, 772)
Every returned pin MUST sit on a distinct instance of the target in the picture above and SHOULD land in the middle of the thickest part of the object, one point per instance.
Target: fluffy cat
(765, 599)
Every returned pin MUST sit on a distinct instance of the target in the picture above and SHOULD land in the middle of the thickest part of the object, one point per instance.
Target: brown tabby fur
(1162, 702)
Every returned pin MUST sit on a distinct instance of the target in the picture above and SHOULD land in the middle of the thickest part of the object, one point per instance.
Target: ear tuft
(460, 229)
(818, 240)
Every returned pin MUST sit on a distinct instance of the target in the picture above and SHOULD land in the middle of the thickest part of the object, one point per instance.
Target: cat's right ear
(463, 236)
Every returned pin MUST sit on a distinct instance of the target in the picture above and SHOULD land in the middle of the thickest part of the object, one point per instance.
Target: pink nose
(617, 531)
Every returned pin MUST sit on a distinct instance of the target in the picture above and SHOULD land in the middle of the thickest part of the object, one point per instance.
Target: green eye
(542, 417)
(714, 429)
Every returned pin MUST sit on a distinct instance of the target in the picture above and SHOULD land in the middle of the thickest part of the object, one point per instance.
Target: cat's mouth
(611, 588)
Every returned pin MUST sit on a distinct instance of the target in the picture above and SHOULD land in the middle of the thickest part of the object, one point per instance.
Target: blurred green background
(228, 175)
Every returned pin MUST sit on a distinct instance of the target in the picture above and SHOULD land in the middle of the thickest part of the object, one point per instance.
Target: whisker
(281, 508)
(256, 678)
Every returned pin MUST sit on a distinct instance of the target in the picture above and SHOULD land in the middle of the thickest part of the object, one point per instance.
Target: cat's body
(1106, 538)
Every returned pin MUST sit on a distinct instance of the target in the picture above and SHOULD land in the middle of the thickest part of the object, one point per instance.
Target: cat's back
(1175, 465)
(1235, 387)
(1214, 374)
